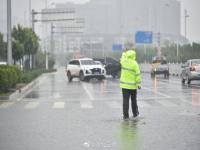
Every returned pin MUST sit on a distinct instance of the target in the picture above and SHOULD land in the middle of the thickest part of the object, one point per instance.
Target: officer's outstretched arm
(122, 57)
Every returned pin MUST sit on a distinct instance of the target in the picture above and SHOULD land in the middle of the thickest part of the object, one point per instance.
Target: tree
(31, 43)
(29, 40)
(18, 50)
(2, 48)
(40, 59)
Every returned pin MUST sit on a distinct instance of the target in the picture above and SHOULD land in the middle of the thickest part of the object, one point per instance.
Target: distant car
(159, 66)
(111, 65)
(99, 63)
(190, 71)
(85, 69)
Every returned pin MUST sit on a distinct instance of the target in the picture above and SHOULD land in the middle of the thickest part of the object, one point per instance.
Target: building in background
(126, 17)
(117, 21)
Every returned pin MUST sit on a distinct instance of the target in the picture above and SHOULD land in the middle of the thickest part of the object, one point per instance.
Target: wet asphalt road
(57, 115)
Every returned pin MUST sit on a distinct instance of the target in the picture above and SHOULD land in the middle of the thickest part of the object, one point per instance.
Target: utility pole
(186, 17)
(52, 39)
(9, 30)
(47, 59)
(177, 51)
(33, 20)
(32, 60)
(46, 51)
(159, 45)
(30, 14)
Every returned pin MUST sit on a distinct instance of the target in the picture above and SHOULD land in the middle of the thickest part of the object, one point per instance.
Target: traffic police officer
(130, 81)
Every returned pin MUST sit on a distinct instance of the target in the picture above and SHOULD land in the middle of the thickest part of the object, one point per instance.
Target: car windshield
(98, 63)
(88, 62)
(195, 62)
(161, 60)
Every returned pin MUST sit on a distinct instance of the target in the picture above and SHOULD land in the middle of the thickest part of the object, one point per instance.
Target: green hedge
(9, 77)
(30, 75)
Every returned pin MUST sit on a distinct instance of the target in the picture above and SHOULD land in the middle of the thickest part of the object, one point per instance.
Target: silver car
(190, 71)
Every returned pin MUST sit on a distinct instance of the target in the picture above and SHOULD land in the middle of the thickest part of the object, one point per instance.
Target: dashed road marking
(143, 104)
(59, 105)
(186, 101)
(89, 93)
(86, 104)
(156, 92)
(56, 95)
(167, 103)
(114, 104)
(31, 105)
(6, 104)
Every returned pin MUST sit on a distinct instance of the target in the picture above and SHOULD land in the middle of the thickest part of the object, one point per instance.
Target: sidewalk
(19, 93)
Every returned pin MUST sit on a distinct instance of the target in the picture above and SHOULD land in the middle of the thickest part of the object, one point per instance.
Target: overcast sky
(193, 8)
(20, 14)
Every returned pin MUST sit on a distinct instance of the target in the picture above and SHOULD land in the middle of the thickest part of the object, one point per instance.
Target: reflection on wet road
(129, 136)
(56, 114)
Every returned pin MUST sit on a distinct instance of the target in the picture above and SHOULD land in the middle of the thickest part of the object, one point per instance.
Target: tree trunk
(30, 62)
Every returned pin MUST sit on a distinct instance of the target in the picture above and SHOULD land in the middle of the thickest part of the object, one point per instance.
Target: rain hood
(131, 54)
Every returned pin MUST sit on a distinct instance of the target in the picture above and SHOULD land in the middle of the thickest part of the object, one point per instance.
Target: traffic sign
(117, 47)
(143, 37)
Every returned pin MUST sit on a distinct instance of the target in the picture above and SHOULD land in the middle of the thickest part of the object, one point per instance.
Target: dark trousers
(126, 96)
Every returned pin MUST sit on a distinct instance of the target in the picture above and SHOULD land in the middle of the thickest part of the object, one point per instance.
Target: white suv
(85, 69)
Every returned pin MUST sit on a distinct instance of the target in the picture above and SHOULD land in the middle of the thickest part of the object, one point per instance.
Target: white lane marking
(86, 104)
(86, 144)
(167, 103)
(156, 92)
(194, 104)
(31, 105)
(153, 98)
(186, 101)
(59, 105)
(113, 104)
(6, 104)
(164, 82)
(56, 95)
(139, 99)
(143, 104)
(89, 93)
(170, 81)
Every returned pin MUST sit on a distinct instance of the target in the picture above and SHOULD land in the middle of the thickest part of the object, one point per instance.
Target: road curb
(20, 92)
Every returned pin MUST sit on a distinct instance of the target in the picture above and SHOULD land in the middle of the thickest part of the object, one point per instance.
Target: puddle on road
(128, 135)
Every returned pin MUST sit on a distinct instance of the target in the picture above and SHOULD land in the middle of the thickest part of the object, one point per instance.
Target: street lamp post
(186, 17)
(159, 25)
(52, 38)
(30, 13)
(9, 30)
(159, 30)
